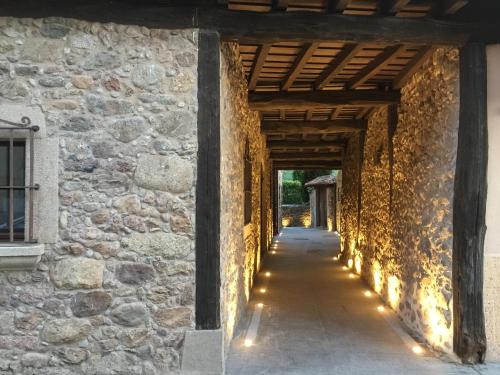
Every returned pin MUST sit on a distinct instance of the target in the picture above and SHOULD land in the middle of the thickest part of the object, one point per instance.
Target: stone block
(175, 317)
(43, 50)
(89, 304)
(78, 273)
(64, 331)
(7, 323)
(130, 314)
(166, 245)
(127, 129)
(165, 173)
(135, 273)
(147, 75)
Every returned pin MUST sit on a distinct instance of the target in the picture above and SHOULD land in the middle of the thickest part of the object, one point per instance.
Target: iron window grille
(17, 156)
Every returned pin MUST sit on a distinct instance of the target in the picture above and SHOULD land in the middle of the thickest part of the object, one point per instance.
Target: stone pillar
(492, 240)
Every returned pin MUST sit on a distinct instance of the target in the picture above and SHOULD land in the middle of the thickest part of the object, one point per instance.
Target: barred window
(16, 181)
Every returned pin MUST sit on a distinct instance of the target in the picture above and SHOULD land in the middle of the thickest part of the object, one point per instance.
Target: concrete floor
(317, 320)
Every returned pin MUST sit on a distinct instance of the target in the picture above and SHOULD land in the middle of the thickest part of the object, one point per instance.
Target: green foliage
(292, 192)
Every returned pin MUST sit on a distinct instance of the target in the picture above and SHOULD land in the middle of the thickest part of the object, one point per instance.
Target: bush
(292, 192)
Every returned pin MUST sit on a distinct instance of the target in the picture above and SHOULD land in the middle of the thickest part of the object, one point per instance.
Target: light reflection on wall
(377, 277)
(434, 307)
(306, 220)
(393, 291)
(357, 263)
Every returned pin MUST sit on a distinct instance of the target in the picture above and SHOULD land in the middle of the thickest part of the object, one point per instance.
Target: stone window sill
(17, 257)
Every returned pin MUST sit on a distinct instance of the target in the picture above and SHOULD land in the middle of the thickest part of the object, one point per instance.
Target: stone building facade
(241, 244)
(114, 290)
(396, 224)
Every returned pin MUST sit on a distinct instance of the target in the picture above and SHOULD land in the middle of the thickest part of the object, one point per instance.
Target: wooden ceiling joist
(337, 64)
(337, 5)
(284, 156)
(257, 67)
(313, 127)
(397, 5)
(453, 6)
(300, 62)
(375, 66)
(305, 144)
(422, 55)
(320, 99)
(335, 112)
(314, 164)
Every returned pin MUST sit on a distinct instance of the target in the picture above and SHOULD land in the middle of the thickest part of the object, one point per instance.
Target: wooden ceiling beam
(396, 5)
(336, 5)
(409, 70)
(338, 63)
(270, 101)
(375, 66)
(453, 6)
(313, 164)
(305, 144)
(335, 112)
(280, 4)
(306, 156)
(260, 28)
(257, 66)
(301, 60)
(313, 127)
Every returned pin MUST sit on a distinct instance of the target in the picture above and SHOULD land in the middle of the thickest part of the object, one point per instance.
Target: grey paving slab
(316, 320)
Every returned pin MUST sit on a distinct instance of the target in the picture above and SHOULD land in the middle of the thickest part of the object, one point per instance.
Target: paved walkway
(317, 320)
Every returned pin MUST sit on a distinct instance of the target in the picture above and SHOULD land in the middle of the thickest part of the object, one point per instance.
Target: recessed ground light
(268, 274)
(263, 290)
(381, 308)
(417, 349)
(345, 268)
(248, 343)
(351, 276)
(335, 258)
(273, 252)
(260, 304)
(368, 293)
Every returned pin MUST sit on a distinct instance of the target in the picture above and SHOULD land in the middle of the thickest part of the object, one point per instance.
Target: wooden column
(208, 183)
(469, 206)
(275, 203)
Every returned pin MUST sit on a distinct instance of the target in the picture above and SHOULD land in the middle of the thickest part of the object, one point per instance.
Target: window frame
(12, 134)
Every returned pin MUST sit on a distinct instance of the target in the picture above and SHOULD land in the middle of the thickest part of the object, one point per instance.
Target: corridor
(316, 319)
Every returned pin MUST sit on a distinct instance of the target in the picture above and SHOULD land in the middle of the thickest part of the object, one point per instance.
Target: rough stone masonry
(114, 293)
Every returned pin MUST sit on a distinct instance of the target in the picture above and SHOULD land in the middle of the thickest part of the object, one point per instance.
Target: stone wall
(296, 215)
(240, 243)
(405, 251)
(492, 240)
(115, 292)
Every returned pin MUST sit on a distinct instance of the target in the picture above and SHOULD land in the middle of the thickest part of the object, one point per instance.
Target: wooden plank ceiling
(313, 96)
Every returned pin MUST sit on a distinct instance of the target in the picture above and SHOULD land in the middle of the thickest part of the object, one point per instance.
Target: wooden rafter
(396, 5)
(338, 63)
(375, 66)
(453, 6)
(269, 101)
(337, 5)
(335, 112)
(363, 113)
(300, 62)
(416, 62)
(257, 67)
(313, 127)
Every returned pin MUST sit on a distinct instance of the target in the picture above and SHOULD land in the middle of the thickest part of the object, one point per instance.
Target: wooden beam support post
(469, 207)
(313, 127)
(271, 101)
(207, 309)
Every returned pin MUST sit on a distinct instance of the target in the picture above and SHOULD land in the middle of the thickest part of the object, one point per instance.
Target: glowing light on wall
(330, 225)
(377, 277)
(285, 221)
(434, 304)
(393, 290)
(349, 263)
(357, 264)
(417, 349)
(306, 220)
